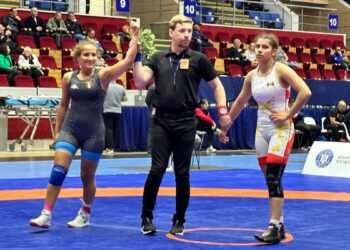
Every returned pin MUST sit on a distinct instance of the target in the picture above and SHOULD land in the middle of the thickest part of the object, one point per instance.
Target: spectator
(13, 23)
(36, 24)
(74, 26)
(112, 111)
(283, 58)
(6, 36)
(199, 39)
(58, 28)
(250, 54)
(124, 34)
(338, 58)
(310, 132)
(6, 64)
(235, 52)
(206, 123)
(91, 35)
(31, 65)
(335, 120)
(100, 62)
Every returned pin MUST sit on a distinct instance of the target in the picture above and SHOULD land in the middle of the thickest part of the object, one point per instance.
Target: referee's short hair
(179, 19)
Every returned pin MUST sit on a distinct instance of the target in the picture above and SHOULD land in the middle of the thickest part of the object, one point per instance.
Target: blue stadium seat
(255, 16)
(275, 17)
(60, 5)
(44, 5)
(239, 5)
(30, 4)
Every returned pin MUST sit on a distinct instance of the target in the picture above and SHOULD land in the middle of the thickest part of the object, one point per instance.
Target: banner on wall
(328, 159)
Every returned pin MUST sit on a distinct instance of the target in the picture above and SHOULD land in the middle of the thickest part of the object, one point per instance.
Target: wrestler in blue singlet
(83, 125)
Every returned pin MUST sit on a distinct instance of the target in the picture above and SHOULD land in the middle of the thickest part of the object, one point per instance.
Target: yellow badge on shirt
(184, 64)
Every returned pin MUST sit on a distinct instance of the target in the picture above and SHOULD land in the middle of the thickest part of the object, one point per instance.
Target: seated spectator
(235, 52)
(124, 34)
(250, 53)
(6, 36)
(206, 123)
(7, 65)
(36, 24)
(100, 62)
(74, 26)
(199, 39)
(283, 58)
(310, 132)
(31, 65)
(13, 23)
(335, 120)
(58, 28)
(91, 35)
(338, 58)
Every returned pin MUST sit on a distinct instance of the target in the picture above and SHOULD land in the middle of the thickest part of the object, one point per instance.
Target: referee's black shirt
(180, 97)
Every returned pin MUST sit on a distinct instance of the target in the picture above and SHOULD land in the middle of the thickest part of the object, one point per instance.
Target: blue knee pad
(58, 174)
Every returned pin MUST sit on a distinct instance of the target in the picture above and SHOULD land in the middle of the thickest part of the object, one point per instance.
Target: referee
(177, 73)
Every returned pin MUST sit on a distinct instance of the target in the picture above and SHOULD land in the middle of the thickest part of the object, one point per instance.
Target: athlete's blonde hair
(179, 19)
(79, 48)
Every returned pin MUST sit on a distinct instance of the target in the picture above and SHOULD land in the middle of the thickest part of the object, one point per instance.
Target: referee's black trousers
(177, 136)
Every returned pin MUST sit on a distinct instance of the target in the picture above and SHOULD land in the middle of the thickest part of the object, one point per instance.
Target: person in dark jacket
(199, 39)
(74, 26)
(36, 24)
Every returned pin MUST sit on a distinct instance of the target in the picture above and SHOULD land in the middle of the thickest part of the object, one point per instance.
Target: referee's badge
(184, 63)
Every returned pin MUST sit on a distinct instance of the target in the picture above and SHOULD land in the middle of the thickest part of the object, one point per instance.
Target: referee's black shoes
(147, 226)
(270, 236)
(177, 228)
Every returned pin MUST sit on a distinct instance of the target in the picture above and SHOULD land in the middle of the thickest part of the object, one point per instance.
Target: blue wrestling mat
(227, 207)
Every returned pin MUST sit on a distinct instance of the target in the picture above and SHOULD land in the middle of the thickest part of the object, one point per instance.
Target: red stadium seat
(285, 43)
(3, 81)
(110, 47)
(314, 74)
(111, 61)
(326, 45)
(209, 35)
(89, 25)
(311, 43)
(328, 74)
(251, 38)
(68, 45)
(47, 62)
(108, 31)
(306, 59)
(339, 44)
(249, 68)
(47, 43)
(23, 81)
(321, 61)
(120, 82)
(234, 70)
(292, 57)
(300, 72)
(341, 74)
(47, 82)
(26, 41)
(223, 37)
(68, 63)
(299, 43)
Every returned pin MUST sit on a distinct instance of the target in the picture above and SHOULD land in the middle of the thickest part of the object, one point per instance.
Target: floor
(228, 205)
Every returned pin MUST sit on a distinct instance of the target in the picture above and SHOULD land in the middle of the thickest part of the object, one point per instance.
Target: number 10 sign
(190, 9)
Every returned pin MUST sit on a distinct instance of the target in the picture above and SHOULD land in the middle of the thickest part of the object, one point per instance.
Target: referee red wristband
(222, 110)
